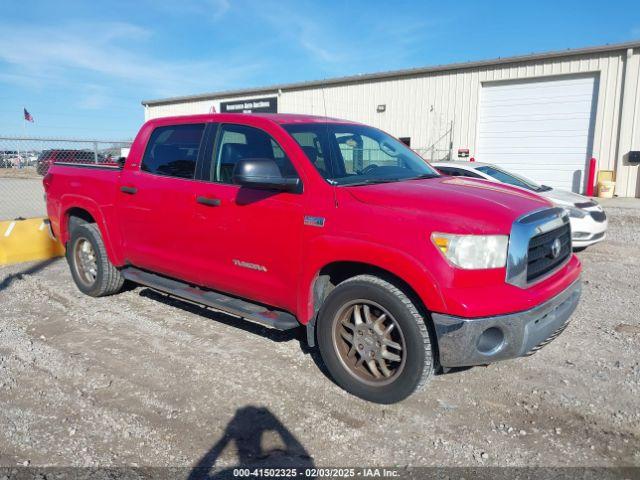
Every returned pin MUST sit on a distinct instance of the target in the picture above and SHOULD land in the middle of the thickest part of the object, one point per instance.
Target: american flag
(27, 116)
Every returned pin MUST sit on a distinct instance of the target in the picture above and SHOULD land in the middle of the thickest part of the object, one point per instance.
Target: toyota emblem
(556, 246)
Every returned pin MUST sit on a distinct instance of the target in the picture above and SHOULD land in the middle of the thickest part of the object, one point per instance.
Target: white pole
(18, 147)
(24, 135)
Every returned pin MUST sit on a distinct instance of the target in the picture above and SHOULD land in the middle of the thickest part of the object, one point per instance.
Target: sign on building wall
(255, 105)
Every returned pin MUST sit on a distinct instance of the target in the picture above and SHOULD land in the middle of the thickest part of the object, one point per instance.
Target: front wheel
(373, 340)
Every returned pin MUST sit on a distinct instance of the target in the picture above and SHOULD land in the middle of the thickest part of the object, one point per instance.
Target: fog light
(577, 235)
(491, 340)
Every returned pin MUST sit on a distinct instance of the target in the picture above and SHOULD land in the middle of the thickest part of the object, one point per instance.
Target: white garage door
(540, 128)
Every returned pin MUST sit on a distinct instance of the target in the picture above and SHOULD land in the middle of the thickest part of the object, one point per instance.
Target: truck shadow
(35, 268)
(259, 440)
(299, 334)
(240, 324)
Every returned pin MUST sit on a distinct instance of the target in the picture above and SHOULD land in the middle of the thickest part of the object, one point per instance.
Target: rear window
(83, 156)
(173, 150)
(458, 172)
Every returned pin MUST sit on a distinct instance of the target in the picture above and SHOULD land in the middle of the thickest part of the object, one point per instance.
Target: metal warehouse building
(542, 115)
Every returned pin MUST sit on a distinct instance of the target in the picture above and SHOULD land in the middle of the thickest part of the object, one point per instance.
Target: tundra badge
(314, 221)
(249, 265)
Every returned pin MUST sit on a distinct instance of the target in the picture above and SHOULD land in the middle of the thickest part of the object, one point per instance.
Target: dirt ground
(26, 172)
(140, 379)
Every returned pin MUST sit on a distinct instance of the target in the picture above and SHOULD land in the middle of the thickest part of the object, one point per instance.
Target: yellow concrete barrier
(26, 240)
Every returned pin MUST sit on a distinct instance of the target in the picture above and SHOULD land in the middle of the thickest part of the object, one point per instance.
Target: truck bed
(89, 185)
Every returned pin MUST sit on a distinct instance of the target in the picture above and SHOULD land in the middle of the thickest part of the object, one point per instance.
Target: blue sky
(82, 68)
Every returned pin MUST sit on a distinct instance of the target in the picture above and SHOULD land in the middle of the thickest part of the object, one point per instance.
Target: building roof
(392, 74)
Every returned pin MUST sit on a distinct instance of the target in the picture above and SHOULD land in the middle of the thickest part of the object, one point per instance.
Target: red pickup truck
(289, 220)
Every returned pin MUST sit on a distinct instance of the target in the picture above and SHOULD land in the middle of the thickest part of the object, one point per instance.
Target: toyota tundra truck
(293, 221)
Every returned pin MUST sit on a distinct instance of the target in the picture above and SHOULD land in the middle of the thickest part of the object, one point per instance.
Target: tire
(338, 320)
(85, 243)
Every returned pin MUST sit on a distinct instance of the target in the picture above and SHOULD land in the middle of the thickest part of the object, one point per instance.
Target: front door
(250, 239)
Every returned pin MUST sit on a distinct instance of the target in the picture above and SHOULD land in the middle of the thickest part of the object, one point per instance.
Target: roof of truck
(280, 118)
(297, 118)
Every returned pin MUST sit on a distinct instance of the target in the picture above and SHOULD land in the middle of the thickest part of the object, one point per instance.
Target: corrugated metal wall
(423, 106)
(627, 176)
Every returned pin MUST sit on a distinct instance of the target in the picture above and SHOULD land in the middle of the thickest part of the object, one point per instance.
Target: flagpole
(18, 142)
(24, 134)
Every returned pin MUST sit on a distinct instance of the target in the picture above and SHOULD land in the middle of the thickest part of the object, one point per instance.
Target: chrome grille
(529, 258)
(540, 257)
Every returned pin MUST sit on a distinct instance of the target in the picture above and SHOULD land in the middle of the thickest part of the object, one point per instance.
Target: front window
(346, 154)
(238, 142)
(511, 178)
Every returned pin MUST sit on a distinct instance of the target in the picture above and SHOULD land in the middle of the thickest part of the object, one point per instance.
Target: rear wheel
(373, 340)
(90, 267)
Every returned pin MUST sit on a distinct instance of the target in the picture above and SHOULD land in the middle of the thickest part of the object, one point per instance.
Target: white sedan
(588, 220)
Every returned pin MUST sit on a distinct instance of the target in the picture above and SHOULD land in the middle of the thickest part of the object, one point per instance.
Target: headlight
(473, 251)
(575, 212)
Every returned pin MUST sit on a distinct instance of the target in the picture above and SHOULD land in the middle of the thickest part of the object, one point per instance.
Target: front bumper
(589, 240)
(586, 231)
(478, 341)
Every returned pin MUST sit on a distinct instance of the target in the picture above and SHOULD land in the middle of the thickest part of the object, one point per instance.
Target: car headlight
(473, 251)
(575, 212)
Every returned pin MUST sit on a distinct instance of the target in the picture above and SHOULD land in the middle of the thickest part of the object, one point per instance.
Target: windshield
(512, 178)
(346, 154)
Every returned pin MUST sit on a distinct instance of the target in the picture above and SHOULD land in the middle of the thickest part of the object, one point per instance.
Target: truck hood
(463, 204)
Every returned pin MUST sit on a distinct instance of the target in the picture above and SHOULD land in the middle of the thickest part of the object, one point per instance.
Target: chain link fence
(24, 161)
(432, 154)
(441, 150)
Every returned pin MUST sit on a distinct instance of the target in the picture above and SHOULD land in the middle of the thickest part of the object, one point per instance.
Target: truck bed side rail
(99, 166)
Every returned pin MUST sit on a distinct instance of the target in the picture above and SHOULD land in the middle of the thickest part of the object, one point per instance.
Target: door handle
(129, 190)
(210, 202)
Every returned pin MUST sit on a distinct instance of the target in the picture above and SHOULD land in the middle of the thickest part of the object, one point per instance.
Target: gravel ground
(139, 379)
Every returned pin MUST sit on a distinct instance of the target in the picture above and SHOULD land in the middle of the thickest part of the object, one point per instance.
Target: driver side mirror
(263, 173)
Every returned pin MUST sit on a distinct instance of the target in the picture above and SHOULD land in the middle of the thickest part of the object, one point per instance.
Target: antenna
(329, 155)
(324, 102)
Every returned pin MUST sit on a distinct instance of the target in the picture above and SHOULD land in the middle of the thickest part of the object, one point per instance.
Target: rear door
(250, 242)
(156, 201)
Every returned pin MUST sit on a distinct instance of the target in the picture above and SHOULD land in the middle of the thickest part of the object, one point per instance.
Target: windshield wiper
(423, 176)
(372, 181)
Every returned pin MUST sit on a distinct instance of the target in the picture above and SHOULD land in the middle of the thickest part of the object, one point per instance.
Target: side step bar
(240, 308)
